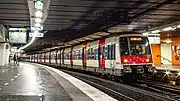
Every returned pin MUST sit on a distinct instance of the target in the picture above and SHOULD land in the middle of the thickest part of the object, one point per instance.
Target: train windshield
(134, 46)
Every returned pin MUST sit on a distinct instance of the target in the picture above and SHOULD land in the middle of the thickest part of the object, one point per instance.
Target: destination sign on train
(135, 39)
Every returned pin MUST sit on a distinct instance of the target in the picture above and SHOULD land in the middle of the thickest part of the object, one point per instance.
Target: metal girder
(12, 3)
(163, 2)
(130, 1)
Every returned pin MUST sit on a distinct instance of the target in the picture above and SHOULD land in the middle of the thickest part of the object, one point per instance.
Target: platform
(168, 67)
(34, 82)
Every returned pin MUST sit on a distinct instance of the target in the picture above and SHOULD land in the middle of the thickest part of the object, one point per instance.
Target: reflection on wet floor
(29, 82)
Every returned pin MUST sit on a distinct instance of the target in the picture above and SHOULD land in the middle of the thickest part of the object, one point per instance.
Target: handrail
(164, 58)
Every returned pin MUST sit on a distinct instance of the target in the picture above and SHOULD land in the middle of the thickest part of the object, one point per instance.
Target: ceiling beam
(130, 1)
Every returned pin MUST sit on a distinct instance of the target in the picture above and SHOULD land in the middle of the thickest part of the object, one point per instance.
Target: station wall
(170, 51)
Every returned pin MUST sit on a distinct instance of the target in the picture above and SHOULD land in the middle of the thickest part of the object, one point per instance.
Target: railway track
(122, 92)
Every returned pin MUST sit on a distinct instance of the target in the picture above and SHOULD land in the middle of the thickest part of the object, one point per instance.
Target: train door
(56, 56)
(101, 53)
(84, 55)
(50, 57)
(45, 57)
(112, 55)
(71, 59)
(59, 57)
(62, 56)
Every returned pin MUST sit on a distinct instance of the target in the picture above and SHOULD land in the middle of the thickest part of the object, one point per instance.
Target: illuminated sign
(154, 38)
(135, 39)
(17, 35)
(36, 34)
(38, 4)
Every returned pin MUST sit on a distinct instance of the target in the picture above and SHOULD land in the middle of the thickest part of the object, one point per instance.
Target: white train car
(59, 57)
(36, 58)
(67, 57)
(47, 59)
(39, 58)
(118, 56)
(53, 57)
(77, 57)
(42, 57)
(91, 59)
(111, 55)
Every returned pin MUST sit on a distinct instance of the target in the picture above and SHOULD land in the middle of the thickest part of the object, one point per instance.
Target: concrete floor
(28, 82)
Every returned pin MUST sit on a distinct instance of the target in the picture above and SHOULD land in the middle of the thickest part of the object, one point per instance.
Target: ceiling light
(38, 20)
(37, 25)
(39, 5)
(36, 31)
(145, 33)
(155, 31)
(178, 26)
(38, 13)
(167, 28)
(17, 29)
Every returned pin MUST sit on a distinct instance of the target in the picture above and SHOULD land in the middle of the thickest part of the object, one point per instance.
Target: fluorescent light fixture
(168, 29)
(38, 13)
(37, 25)
(36, 31)
(178, 26)
(17, 29)
(145, 33)
(38, 20)
(155, 31)
(38, 4)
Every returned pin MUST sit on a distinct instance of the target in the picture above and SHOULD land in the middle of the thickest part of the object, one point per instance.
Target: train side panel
(77, 57)
(67, 53)
(53, 57)
(42, 57)
(110, 52)
(47, 57)
(39, 58)
(91, 61)
(59, 57)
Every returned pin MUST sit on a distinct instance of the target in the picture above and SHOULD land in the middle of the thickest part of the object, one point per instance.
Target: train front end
(135, 55)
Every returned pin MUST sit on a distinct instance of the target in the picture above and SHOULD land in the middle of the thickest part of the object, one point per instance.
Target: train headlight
(147, 60)
(125, 60)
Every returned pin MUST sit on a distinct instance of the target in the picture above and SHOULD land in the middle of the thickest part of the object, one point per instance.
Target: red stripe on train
(141, 59)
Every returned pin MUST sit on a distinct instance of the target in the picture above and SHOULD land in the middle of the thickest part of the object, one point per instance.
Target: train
(120, 56)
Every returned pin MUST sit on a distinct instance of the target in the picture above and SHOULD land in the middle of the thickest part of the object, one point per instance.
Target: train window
(79, 55)
(89, 54)
(59, 56)
(124, 50)
(140, 47)
(96, 54)
(109, 52)
(106, 52)
(92, 53)
(72, 55)
(65, 57)
(113, 52)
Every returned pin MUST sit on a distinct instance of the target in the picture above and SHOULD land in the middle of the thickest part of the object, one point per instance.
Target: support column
(2, 53)
(7, 52)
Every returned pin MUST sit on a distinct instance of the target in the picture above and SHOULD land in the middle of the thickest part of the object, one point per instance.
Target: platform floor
(34, 82)
(168, 67)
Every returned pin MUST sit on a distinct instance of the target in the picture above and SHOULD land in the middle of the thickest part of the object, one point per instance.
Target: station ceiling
(72, 19)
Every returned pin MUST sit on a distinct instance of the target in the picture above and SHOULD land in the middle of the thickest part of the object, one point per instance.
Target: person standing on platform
(15, 59)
